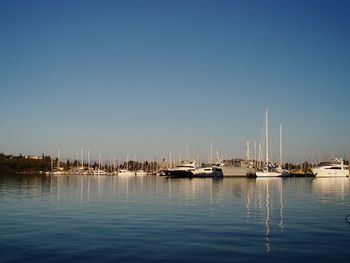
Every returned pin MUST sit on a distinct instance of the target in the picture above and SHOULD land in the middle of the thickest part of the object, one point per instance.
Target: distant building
(33, 157)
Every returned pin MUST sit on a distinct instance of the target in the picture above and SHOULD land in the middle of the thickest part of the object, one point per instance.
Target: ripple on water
(98, 219)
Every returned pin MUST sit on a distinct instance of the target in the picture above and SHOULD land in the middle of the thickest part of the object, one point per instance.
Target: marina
(174, 131)
(152, 218)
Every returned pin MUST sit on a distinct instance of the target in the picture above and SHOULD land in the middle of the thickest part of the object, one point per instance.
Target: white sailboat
(268, 170)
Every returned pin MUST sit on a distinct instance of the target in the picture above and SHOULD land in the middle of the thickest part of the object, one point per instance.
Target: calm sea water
(150, 219)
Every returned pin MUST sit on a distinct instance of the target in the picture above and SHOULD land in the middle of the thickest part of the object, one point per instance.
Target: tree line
(21, 164)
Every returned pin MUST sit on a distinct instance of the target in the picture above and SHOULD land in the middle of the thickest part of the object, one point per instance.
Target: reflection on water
(136, 215)
(262, 196)
(330, 189)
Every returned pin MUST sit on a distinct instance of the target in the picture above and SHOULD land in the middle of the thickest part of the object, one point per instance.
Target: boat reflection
(262, 196)
(254, 205)
(330, 189)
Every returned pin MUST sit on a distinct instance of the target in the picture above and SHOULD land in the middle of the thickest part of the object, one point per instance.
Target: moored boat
(268, 169)
(237, 171)
(208, 171)
(335, 168)
(184, 169)
(124, 172)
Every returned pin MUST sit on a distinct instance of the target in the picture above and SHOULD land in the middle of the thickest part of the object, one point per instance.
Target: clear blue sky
(149, 77)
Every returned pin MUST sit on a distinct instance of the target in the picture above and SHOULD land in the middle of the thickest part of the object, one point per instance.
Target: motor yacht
(335, 168)
(184, 169)
(208, 171)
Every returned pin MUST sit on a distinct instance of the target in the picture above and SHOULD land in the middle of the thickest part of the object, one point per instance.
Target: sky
(145, 78)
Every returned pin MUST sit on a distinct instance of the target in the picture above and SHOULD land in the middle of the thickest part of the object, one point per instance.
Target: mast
(267, 137)
(281, 145)
(255, 153)
(58, 158)
(88, 160)
(247, 152)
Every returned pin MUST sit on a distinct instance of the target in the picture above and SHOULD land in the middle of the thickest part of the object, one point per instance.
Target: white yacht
(124, 172)
(184, 169)
(99, 172)
(208, 171)
(335, 168)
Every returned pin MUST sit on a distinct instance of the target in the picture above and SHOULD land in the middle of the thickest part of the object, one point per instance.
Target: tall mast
(254, 151)
(88, 159)
(247, 152)
(281, 145)
(267, 136)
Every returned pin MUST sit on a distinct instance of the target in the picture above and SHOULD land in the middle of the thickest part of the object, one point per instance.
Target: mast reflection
(260, 196)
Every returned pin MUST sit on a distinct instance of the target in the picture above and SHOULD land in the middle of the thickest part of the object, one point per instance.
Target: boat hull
(126, 173)
(179, 173)
(330, 173)
(233, 171)
(208, 172)
(268, 174)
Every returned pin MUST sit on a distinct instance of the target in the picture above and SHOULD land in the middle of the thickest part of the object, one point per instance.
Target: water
(155, 219)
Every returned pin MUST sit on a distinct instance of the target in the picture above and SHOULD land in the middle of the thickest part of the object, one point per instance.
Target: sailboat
(269, 170)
